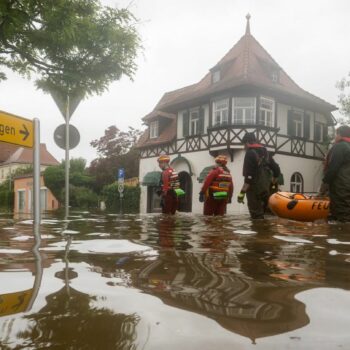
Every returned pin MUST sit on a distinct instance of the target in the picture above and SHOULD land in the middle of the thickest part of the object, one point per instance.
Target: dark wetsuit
(337, 176)
(258, 169)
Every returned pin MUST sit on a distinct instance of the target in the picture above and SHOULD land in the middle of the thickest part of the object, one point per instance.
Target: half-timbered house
(245, 91)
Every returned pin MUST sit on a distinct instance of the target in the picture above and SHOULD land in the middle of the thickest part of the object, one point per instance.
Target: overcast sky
(182, 40)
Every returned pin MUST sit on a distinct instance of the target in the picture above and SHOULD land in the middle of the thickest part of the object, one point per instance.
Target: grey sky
(182, 39)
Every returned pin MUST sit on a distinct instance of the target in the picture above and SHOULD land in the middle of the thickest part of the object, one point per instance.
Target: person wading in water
(336, 178)
(259, 171)
(168, 185)
(217, 189)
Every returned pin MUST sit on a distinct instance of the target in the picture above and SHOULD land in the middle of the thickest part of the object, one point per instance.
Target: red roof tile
(15, 154)
(247, 63)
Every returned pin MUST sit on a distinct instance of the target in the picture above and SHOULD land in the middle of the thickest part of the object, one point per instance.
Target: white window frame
(297, 183)
(194, 122)
(220, 112)
(154, 129)
(266, 113)
(298, 125)
(235, 108)
(43, 198)
(322, 127)
(21, 191)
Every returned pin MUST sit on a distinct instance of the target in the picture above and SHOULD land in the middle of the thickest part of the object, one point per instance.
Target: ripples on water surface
(183, 282)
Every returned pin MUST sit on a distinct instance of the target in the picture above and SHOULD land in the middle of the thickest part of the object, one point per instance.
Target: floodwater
(102, 281)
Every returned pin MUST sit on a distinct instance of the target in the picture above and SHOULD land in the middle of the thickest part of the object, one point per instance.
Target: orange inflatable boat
(296, 206)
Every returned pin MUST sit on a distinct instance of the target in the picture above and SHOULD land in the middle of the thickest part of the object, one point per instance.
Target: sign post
(67, 104)
(36, 168)
(121, 176)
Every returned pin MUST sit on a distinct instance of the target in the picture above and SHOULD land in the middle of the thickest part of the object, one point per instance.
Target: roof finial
(247, 28)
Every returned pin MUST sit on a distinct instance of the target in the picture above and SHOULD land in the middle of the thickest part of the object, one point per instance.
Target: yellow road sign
(17, 130)
(13, 303)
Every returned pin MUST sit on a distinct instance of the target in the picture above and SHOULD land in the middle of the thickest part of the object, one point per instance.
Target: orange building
(23, 189)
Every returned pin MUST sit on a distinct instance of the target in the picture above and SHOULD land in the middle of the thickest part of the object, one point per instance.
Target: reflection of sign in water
(13, 303)
(17, 130)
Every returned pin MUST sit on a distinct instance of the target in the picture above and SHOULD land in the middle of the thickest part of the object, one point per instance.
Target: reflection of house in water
(201, 283)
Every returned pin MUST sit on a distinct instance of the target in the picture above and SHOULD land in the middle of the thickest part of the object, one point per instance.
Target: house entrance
(185, 202)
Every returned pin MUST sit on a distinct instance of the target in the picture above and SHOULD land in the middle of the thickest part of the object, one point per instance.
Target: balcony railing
(230, 137)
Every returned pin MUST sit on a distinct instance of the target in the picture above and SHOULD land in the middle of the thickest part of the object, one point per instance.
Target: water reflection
(104, 277)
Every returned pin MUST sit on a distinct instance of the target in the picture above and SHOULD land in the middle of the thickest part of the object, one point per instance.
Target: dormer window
(216, 76)
(274, 76)
(154, 129)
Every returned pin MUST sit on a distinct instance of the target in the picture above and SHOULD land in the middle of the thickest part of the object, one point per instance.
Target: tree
(75, 46)
(116, 149)
(81, 183)
(344, 98)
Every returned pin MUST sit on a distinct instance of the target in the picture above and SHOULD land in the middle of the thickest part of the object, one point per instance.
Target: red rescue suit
(169, 182)
(218, 180)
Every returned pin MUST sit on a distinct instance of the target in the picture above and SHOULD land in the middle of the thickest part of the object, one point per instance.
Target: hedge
(131, 198)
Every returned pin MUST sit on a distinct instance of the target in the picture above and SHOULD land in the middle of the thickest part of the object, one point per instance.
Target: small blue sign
(121, 173)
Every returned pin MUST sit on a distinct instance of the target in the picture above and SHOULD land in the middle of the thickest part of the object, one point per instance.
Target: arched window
(297, 183)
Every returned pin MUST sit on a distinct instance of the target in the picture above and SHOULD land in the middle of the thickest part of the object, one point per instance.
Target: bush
(131, 199)
(6, 199)
(82, 197)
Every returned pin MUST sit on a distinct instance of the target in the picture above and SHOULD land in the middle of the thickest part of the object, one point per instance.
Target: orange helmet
(164, 158)
(221, 160)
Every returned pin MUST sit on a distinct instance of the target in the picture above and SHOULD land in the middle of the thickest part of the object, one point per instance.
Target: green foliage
(54, 180)
(344, 99)
(82, 197)
(116, 150)
(71, 45)
(7, 195)
(81, 194)
(131, 199)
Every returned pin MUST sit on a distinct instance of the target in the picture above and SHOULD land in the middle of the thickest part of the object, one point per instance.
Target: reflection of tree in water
(71, 323)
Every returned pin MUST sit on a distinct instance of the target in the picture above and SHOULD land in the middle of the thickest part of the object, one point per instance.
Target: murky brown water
(183, 282)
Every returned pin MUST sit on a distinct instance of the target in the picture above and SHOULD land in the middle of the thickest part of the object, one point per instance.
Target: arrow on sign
(24, 132)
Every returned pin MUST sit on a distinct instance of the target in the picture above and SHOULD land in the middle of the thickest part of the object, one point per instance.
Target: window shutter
(290, 130)
(201, 121)
(306, 126)
(325, 132)
(185, 125)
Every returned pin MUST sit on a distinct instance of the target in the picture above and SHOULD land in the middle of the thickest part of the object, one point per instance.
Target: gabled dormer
(161, 128)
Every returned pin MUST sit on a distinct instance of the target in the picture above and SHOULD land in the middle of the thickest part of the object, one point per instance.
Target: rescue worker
(336, 178)
(169, 184)
(217, 189)
(260, 171)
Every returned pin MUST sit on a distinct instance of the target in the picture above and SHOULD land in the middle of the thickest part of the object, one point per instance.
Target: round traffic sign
(60, 136)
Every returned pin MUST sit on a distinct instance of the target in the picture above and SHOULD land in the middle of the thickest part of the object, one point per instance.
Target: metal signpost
(121, 176)
(24, 132)
(67, 104)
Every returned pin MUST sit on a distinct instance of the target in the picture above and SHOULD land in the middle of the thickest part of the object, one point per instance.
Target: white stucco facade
(311, 171)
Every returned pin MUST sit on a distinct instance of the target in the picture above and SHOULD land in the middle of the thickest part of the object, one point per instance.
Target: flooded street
(104, 281)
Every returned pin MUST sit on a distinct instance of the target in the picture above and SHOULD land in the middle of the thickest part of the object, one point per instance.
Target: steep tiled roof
(168, 134)
(247, 63)
(10, 154)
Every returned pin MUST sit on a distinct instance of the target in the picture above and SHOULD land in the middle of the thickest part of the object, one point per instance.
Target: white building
(246, 91)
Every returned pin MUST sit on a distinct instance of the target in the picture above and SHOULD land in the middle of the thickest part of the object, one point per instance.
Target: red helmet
(221, 160)
(164, 158)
